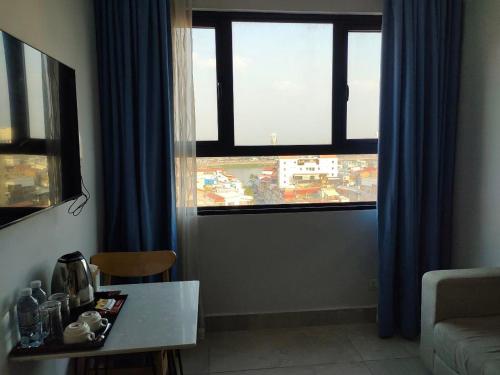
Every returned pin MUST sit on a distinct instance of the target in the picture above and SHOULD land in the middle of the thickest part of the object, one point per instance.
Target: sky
(282, 77)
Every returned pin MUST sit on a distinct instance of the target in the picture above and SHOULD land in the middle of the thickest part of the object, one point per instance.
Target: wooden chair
(134, 264)
(139, 264)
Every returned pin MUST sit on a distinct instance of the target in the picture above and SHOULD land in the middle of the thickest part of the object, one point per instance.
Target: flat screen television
(39, 143)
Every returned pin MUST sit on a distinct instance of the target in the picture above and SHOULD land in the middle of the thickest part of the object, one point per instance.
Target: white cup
(78, 332)
(94, 320)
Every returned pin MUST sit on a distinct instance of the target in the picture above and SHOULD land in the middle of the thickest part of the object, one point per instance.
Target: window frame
(225, 146)
(342, 24)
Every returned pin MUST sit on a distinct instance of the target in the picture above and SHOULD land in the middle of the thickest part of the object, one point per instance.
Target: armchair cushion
(454, 294)
(469, 345)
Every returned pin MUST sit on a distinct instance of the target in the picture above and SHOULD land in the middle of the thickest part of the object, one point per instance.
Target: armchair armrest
(452, 294)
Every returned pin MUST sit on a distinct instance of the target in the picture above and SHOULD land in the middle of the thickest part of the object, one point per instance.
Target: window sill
(285, 208)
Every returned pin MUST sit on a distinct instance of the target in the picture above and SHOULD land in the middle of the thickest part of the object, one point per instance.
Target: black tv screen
(39, 143)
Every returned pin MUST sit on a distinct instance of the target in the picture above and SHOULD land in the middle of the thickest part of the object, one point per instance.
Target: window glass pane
(5, 125)
(363, 78)
(34, 90)
(282, 83)
(24, 181)
(234, 181)
(205, 84)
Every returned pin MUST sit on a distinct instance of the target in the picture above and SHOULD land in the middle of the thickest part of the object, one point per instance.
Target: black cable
(76, 210)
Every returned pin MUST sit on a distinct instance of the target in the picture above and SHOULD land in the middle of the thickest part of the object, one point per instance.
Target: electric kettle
(72, 276)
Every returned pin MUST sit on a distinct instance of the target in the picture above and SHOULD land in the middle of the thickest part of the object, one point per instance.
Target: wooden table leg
(160, 363)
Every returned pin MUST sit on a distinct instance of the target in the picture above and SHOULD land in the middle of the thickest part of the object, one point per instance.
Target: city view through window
(267, 180)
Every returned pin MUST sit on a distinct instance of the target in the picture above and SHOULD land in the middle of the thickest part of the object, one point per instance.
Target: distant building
(20, 191)
(295, 171)
(220, 189)
(6, 135)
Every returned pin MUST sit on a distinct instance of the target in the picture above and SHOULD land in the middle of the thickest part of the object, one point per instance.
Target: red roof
(310, 190)
(215, 197)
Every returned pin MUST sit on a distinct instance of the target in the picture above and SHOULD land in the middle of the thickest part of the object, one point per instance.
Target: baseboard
(242, 322)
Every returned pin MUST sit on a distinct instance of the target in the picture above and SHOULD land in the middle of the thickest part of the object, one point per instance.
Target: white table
(156, 317)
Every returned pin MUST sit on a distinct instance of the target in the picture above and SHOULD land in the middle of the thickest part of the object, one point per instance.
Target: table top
(156, 316)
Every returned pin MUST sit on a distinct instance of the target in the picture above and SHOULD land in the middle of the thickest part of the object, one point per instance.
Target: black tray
(58, 347)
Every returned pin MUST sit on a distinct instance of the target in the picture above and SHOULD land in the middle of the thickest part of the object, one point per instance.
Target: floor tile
(276, 371)
(243, 350)
(195, 361)
(343, 369)
(358, 368)
(319, 345)
(412, 347)
(406, 366)
(365, 339)
(246, 350)
(350, 349)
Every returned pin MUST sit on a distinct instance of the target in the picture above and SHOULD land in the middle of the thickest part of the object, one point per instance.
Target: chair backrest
(134, 264)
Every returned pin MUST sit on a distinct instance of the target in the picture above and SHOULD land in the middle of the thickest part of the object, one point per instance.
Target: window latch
(346, 93)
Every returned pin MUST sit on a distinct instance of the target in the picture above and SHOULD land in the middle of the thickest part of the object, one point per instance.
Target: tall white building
(294, 170)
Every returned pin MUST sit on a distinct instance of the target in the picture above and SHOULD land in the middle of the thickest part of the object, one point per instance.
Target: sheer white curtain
(185, 142)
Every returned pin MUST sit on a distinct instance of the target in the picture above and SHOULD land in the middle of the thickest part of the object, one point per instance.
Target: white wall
(288, 262)
(477, 183)
(28, 250)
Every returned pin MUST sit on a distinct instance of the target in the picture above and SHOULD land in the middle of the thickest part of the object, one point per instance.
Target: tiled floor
(329, 350)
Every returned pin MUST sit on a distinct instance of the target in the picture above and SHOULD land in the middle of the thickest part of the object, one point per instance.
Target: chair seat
(470, 346)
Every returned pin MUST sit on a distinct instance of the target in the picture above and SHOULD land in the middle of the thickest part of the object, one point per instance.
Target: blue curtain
(135, 82)
(419, 94)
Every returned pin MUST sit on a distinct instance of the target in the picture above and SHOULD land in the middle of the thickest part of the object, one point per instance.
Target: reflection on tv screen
(25, 181)
(39, 148)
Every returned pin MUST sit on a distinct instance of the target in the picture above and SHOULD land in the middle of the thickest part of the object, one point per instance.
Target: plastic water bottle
(37, 292)
(28, 317)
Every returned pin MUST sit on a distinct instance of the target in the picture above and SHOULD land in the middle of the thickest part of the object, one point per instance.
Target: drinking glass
(64, 299)
(50, 313)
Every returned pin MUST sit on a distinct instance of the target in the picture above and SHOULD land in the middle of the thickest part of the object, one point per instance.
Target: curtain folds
(135, 86)
(419, 95)
(185, 143)
(184, 137)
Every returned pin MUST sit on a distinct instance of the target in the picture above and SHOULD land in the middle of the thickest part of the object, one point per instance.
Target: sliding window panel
(363, 78)
(205, 84)
(282, 83)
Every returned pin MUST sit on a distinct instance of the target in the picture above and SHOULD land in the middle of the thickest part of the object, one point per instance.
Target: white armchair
(460, 322)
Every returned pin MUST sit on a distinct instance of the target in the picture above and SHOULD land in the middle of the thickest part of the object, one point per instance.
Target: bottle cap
(25, 292)
(36, 284)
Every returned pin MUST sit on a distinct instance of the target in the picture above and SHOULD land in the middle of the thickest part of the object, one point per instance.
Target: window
(205, 84)
(286, 110)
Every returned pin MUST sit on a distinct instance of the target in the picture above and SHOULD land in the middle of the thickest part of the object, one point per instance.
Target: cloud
(240, 62)
(201, 62)
(286, 86)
